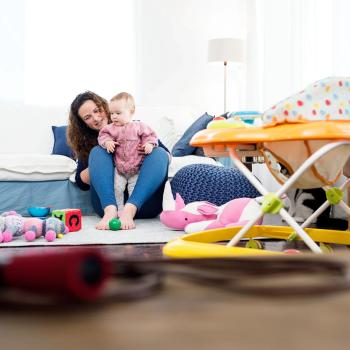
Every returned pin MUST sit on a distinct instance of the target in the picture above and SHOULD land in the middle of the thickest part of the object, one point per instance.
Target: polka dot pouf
(215, 184)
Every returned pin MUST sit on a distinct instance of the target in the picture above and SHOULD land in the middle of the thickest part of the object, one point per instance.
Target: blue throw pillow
(60, 145)
(183, 147)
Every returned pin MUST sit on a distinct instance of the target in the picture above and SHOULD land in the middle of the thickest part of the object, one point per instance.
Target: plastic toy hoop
(205, 244)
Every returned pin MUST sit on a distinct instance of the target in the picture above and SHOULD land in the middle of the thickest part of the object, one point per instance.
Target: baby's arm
(149, 139)
(148, 147)
(105, 140)
(109, 145)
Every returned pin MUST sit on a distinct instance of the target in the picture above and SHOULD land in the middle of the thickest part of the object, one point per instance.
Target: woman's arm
(160, 144)
(82, 177)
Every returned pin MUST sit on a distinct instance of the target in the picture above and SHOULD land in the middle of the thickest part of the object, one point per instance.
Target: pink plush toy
(182, 215)
(50, 228)
(200, 216)
(236, 212)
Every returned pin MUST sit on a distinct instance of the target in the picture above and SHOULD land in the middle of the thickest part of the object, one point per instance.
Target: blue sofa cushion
(60, 145)
(182, 146)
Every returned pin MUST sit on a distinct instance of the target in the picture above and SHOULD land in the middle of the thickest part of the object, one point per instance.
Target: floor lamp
(225, 50)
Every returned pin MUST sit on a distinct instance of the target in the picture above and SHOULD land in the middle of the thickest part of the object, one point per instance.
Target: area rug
(147, 231)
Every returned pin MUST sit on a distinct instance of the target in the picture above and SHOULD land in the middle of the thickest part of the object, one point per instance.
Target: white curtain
(291, 43)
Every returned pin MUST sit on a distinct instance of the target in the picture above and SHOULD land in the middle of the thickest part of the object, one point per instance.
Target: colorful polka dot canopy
(326, 99)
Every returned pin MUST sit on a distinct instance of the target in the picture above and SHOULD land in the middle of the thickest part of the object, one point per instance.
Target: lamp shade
(225, 50)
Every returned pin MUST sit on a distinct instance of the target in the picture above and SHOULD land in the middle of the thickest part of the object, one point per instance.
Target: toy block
(71, 217)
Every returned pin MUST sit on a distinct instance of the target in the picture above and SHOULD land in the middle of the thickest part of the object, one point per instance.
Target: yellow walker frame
(238, 142)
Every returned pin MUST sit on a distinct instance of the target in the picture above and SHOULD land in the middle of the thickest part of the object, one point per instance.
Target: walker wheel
(326, 248)
(254, 244)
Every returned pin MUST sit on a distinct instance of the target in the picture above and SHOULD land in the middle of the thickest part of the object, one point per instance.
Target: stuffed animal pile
(13, 225)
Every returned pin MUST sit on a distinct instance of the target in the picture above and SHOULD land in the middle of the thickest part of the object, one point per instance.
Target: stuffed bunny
(199, 216)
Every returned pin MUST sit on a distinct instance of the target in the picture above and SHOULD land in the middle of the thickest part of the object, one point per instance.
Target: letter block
(70, 217)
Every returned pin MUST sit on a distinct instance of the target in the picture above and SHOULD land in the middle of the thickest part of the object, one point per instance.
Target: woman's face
(92, 115)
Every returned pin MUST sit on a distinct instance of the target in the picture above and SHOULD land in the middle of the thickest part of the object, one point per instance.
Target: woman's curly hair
(79, 136)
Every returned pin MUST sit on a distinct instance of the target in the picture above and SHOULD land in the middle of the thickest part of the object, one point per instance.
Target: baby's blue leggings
(148, 192)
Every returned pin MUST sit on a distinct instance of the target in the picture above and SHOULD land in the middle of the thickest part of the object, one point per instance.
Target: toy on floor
(50, 228)
(39, 212)
(114, 224)
(70, 217)
(200, 216)
(11, 225)
(233, 213)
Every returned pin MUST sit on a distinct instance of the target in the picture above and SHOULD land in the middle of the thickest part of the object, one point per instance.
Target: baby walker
(305, 141)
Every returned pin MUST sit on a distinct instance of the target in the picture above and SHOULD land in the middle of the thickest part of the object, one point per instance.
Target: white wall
(12, 50)
(157, 50)
(53, 50)
(73, 46)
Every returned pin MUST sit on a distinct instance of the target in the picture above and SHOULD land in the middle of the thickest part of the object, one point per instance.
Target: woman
(88, 114)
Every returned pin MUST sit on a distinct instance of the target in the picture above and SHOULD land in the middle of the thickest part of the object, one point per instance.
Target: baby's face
(120, 112)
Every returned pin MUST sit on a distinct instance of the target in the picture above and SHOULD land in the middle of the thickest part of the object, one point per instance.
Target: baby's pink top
(130, 136)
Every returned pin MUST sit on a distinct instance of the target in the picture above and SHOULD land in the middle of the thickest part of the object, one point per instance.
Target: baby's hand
(148, 148)
(110, 146)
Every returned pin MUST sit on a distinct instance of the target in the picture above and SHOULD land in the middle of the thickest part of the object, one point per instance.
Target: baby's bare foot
(126, 217)
(110, 212)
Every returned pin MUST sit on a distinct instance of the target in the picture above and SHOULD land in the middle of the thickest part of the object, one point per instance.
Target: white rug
(147, 231)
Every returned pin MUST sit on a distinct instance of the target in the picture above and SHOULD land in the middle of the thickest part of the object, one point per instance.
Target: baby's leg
(127, 216)
(131, 183)
(120, 182)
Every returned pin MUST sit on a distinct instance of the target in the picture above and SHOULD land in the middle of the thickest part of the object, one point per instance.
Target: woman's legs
(146, 199)
(101, 171)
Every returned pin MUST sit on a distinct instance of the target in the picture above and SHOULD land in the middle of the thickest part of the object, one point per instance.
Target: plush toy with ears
(236, 212)
(200, 216)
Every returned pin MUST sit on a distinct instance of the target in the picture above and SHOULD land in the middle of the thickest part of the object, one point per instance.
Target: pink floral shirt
(130, 136)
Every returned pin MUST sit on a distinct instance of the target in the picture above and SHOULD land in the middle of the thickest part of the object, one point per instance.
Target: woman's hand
(85, 176)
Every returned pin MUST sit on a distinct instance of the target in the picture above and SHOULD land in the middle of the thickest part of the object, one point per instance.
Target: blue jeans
(148, 192)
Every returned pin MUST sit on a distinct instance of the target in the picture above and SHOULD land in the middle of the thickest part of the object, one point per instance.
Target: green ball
(114, 224)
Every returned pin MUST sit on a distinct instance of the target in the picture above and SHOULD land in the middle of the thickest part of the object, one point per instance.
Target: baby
(124, 137)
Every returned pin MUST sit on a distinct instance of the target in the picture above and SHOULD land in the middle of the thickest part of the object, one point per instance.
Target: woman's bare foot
(126, 217)
(110, 212)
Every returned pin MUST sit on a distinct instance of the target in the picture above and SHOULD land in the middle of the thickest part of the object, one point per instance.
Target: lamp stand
(225, 73)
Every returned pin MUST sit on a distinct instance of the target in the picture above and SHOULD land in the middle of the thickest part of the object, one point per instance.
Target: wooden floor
(182, 314)
(115, 251)
(154, 250)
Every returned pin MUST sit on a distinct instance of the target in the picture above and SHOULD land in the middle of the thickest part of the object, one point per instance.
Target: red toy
(70, 217)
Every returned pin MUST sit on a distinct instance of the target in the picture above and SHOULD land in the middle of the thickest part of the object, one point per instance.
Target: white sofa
(31, 175)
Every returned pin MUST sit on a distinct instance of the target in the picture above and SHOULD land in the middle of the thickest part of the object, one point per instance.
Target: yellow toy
(305, 141)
